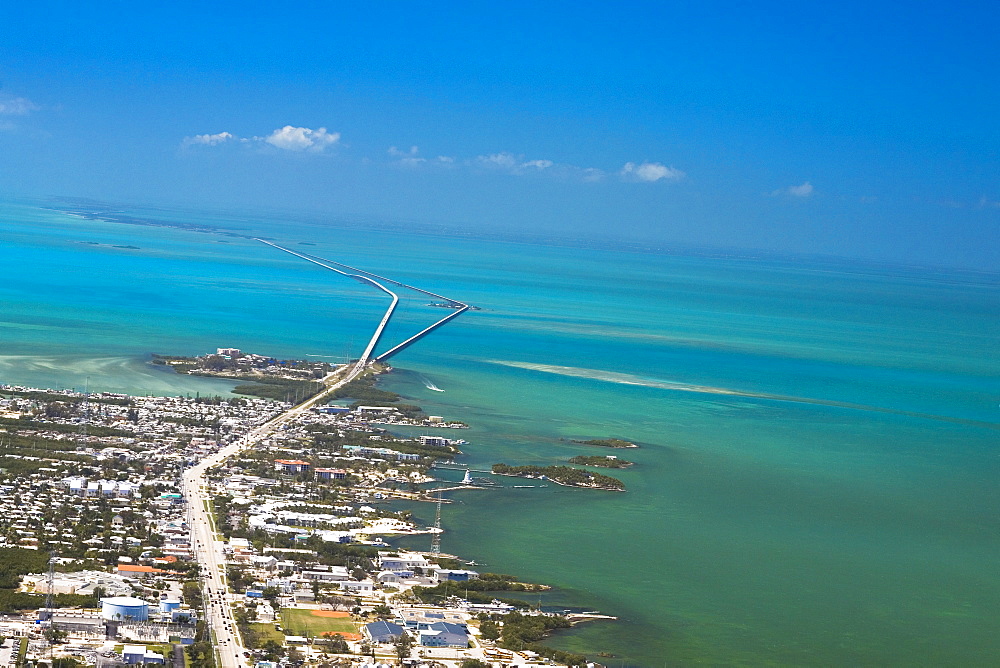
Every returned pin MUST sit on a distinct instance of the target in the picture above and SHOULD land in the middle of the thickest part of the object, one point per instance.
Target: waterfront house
(443, 574)
(401, 561)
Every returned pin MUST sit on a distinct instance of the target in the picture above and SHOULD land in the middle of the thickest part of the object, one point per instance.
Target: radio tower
(436, 540)
(51, 585)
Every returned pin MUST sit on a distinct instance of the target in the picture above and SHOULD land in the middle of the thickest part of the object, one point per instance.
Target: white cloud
(538, 164)
(209, 140)
(513, 164)
(288, 138)
(409, 158)
(650, 172)
(397, 153)
(502, 160)
(986, 203)
(18, 106)
(804, 190)
(291, 138)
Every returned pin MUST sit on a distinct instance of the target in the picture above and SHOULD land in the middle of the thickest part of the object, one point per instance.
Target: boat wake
(428, 384)
(630, 379)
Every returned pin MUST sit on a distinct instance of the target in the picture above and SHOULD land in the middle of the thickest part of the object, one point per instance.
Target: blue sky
(855, 129)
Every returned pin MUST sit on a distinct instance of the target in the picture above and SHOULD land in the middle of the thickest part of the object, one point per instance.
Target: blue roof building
(444, 634)
(382, 632)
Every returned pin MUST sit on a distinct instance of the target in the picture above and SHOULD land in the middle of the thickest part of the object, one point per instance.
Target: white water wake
(428, 383)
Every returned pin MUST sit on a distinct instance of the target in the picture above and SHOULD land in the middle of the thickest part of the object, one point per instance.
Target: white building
(402, 561)
(335, 574)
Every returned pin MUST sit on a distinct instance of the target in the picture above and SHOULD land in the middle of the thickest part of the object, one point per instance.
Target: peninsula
(562, 475)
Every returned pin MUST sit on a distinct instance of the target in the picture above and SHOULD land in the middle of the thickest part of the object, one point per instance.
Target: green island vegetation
(241, 364)
(608, 443)
(518, 631)
(601, 461)
(562, 475)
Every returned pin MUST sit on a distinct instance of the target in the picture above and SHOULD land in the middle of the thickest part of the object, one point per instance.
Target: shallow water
(821, 490)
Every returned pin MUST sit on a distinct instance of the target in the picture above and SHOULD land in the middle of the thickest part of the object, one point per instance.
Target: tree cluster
(564, 475)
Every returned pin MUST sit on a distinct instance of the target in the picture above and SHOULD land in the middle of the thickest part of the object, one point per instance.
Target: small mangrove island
(605, 461)
(562, 475)
(608, 443)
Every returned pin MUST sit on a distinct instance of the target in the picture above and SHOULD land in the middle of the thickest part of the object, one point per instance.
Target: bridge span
(370, 278)
(366, 356)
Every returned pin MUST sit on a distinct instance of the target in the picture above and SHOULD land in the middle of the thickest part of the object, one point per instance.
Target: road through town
(208, 547)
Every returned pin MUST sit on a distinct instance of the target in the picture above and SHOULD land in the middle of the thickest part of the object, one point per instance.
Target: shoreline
(561, 484)
(384, 530)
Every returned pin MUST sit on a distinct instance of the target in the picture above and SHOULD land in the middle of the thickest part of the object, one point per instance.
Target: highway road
(209, 549)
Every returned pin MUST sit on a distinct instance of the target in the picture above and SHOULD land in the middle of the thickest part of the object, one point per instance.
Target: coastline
(26, 402)
(869, 483)
(556, 482)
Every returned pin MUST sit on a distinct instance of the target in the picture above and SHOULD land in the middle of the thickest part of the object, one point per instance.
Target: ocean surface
(817, 482)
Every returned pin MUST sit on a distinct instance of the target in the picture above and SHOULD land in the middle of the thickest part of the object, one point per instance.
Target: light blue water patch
(816, 482)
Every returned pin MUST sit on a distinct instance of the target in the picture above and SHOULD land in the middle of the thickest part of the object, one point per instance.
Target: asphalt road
(208, 549)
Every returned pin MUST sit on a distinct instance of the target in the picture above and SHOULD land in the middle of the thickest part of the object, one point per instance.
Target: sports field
(316, 623)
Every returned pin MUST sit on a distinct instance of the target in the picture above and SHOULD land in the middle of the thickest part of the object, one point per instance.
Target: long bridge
(370, 278)
(229, 643)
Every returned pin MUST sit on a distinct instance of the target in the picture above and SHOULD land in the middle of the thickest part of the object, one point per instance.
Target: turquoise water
(817, 478)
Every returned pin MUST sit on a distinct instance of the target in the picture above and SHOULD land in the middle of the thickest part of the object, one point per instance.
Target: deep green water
(841, 509)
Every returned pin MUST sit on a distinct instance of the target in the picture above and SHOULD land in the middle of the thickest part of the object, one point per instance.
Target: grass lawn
(267, 632)
(299, 622)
